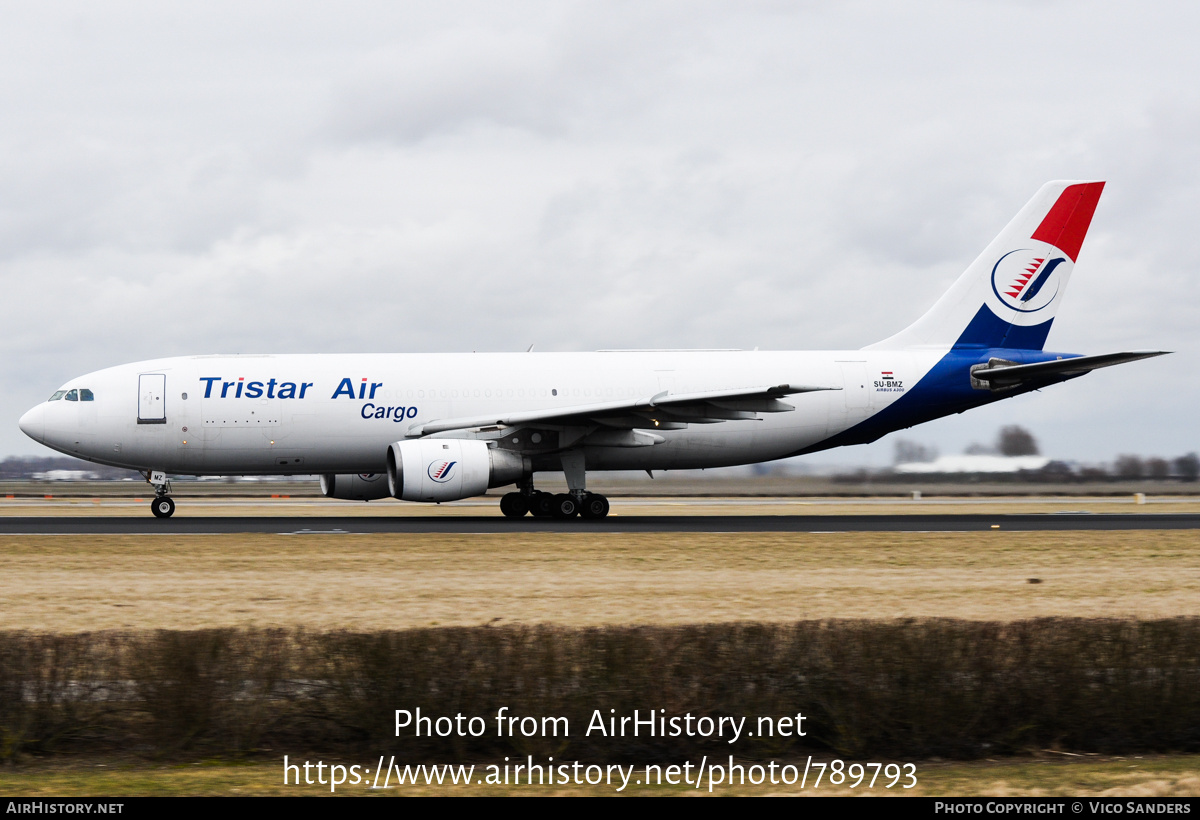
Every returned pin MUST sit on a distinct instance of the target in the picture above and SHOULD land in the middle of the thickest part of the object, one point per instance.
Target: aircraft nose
(33, 423)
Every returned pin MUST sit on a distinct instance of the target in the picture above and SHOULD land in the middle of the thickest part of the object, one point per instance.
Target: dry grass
(1149, 776)
(70, 583)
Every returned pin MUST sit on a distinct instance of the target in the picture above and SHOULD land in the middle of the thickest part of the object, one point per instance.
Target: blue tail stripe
(944, 390)
(989, 330)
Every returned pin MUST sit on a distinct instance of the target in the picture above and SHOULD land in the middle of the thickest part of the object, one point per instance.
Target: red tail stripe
(1067, 223)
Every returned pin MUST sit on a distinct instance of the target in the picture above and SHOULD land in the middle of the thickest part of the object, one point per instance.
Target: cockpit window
(72, 395)
(57, 395)
(86, 395)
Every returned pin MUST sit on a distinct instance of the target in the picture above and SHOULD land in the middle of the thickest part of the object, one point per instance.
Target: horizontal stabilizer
(998, 374)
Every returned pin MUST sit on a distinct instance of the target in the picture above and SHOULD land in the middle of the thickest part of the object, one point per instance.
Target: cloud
(470, 176)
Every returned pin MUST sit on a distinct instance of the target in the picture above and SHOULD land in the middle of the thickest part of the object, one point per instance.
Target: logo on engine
(441, 471)
(1025, 280)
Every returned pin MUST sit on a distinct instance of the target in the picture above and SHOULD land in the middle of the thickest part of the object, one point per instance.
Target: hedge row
(868, 689)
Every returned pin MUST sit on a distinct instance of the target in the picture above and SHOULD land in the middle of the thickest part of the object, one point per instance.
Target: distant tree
(1057, 471)
(910, 452)
(1129, 466)
(1157, 469)
(1016, 441)
(977, 449)
(1187, 467)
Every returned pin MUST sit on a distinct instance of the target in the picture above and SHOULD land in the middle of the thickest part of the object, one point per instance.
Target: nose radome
(33, 423)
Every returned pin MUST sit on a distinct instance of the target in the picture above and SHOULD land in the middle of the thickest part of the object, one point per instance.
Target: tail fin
(1009, 295)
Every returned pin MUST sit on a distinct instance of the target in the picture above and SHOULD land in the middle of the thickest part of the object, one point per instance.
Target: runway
(336, 525)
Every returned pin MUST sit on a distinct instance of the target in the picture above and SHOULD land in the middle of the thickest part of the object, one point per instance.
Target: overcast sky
(291, 177)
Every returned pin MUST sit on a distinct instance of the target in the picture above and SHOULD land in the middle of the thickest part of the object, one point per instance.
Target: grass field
(68, 583)
(1048, 776)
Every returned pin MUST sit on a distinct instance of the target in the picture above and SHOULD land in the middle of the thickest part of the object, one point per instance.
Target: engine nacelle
(356, 486)
(447, 469)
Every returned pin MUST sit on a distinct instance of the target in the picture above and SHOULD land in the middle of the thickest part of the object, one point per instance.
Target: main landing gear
(163, 506)
(548, 505)
(577, 502)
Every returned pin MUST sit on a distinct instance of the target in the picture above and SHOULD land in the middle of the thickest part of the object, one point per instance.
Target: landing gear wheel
(514, 505)
(162, 507)
(541, 504)
(594, 506)
(565, 506)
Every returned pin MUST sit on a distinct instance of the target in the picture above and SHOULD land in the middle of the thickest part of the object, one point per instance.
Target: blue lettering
(346, 388)
(396, 414)
(374, 385)
(273, 388)
(362, 389)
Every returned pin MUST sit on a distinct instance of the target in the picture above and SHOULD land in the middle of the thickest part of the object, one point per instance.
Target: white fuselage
(304, 414)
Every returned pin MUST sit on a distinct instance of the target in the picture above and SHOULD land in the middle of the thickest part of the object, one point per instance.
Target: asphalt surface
(112, 525)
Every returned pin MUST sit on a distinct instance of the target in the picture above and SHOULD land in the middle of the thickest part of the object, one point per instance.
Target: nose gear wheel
(162, 507)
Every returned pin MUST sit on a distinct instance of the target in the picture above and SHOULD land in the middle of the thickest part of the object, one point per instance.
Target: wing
(613, 423)
(998, 374)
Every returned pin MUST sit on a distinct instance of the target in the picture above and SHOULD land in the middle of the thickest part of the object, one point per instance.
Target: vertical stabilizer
(1009, 295)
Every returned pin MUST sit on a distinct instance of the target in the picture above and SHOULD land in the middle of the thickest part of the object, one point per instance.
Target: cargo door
(239, 431)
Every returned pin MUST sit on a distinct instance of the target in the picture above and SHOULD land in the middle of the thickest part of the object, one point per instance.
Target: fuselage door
(855, 392)
(152, 398)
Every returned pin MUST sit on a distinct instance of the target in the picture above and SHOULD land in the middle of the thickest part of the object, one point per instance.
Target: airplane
(443, 427)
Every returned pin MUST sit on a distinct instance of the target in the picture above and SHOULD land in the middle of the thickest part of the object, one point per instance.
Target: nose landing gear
(162, 506)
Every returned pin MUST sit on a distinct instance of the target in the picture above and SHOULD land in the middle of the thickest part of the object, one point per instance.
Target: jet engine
(447, 469)
(355, 487)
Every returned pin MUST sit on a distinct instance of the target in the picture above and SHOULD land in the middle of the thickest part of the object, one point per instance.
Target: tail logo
(441, 471)
(1025, 281)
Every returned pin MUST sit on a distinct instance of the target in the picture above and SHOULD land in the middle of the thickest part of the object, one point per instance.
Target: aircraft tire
(542, 504)
(565, 506)
(162, 507)
(594, 506)
(514, 505)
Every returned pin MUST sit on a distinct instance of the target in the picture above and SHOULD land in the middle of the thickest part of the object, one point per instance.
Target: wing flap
(661, 409)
